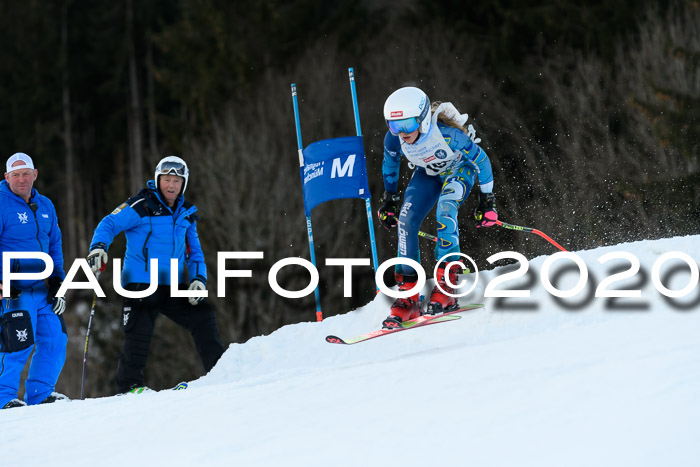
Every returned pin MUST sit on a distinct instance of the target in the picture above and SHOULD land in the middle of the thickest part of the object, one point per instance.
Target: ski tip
(180, 386)
(335, 340)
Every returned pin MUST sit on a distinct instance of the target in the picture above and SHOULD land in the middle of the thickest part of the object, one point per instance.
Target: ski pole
(509, 227)
(87, 340)
(427, 235)
(530, 230)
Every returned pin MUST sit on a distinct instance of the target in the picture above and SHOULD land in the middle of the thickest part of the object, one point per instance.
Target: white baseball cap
(22, 157)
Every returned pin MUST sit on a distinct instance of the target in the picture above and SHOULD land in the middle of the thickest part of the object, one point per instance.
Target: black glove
(58, 303)
(486, 214)
(388, 210)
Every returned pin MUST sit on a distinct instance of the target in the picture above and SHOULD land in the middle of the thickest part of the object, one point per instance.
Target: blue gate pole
(368, 204)
(319, 314)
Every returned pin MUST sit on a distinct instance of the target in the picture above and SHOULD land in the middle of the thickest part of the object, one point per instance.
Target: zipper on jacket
(145, 251)
(34, 207)
(174, 220)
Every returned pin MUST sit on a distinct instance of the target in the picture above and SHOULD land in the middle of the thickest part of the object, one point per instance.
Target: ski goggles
(172, 168)
(406, 125)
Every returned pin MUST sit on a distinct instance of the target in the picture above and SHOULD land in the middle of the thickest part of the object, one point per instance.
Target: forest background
(588, 110)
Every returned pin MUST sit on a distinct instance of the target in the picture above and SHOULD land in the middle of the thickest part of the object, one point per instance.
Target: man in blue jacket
(158, 224)
(30, 313)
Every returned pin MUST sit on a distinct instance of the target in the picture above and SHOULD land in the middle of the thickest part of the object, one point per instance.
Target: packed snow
(530, 381)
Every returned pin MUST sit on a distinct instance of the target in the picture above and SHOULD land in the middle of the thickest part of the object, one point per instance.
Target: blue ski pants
(422, 193)
(50, 339)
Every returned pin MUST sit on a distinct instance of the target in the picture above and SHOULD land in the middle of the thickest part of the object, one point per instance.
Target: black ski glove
(486, 214)
(388, 210)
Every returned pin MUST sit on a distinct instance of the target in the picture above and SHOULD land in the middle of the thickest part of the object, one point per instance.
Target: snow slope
(525, 382)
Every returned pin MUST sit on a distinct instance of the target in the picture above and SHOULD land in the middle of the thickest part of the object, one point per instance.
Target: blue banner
(334, 169)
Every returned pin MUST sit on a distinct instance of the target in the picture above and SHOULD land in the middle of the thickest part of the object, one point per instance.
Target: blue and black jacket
(456, 139)
(154, 230)
(29, 227)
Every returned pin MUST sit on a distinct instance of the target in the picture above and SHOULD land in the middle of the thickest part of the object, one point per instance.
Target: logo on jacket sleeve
(23, 218)
(119, 208)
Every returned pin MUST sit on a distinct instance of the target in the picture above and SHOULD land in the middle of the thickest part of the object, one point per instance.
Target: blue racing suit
(447, 165)
(28, 322)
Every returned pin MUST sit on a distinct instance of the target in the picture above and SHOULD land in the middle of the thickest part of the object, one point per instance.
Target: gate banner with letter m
(334, 169)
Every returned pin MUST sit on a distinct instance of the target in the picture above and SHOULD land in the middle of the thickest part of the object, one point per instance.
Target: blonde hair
(447, 120)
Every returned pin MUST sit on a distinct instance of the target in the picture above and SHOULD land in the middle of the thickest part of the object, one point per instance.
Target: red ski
(423, 320)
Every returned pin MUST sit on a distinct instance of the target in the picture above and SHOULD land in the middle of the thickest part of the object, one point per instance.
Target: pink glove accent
(489, 219)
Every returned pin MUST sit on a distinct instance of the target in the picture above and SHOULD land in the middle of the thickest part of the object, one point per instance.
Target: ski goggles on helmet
(172, 168)
(406, 125)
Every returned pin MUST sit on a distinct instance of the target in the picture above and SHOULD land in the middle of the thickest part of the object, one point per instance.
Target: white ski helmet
(406, 110)
(173, 165)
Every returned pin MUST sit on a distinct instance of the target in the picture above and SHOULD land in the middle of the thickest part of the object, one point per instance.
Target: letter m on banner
(339, 170)
(333, 169)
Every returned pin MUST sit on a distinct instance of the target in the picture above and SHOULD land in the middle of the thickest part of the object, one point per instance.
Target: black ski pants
(138, 321)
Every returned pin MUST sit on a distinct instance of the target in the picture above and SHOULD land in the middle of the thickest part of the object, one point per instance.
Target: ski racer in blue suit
(447, 161)
(159, 224)
(30, 312)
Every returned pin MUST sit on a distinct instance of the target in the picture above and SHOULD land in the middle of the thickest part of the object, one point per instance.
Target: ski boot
(403, 308)
(14, 403)
(439, 301)
(55, 397)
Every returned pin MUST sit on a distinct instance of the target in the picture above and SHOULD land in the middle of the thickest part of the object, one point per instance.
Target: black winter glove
(486, 214)
(388, 210)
